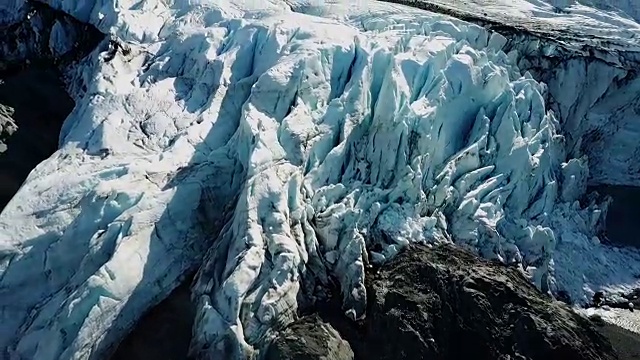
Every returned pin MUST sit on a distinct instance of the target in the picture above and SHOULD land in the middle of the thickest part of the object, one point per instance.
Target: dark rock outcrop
(162, 333)
(626, 343)
(622, 216)
(33, 105)
(33, 99)
(7, 125)
(445, 303)
(309, 339)
(45, 37)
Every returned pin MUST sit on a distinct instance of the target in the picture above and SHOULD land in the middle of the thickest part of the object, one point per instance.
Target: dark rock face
(309, 339)
(33, 105)
(162, 333)
(33, 98)
(626, 343)
(7, 125)
(445, 303)
(622, 216)
(46, 38)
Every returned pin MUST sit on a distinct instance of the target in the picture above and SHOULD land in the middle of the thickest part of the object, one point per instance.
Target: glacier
(273, 148)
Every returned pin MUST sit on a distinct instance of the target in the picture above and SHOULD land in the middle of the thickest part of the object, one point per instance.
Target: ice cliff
(261, 144)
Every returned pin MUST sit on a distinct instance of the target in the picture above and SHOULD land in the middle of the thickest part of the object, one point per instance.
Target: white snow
(609, 19)
(268, 145)
(626, 319)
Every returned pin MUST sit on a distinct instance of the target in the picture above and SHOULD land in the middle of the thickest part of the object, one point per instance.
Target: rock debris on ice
(261, 144)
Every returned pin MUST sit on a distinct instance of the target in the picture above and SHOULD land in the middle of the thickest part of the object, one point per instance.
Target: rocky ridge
(310, 338)
(443, 302)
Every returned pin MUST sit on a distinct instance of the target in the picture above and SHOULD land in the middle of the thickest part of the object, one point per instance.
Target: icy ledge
(263, 147)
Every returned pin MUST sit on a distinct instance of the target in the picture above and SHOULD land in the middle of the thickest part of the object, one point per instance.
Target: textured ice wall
(589, 60)
(595, 93)
(601, 118)
(271, 150)
(385, 139)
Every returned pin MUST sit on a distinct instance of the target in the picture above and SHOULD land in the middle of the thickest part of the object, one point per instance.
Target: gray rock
(33, 98)
(309, 339)
(45, 36)
(164, 332)
(33, 106)
(445, 303)
(7, 126)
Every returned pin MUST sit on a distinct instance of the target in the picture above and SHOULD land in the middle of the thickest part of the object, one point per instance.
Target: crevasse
(274, 148)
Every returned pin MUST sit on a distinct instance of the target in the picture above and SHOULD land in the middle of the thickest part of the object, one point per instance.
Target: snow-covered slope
(612, 20)
(270, 145)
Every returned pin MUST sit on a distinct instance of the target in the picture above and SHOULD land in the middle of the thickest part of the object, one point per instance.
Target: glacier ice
(274, 147)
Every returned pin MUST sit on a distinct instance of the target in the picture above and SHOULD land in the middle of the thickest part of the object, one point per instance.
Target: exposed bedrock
(309, 338)
(163, 332)
(446, 303)
(41, 35)
(623, 217)
(35, 53)
(33, 105)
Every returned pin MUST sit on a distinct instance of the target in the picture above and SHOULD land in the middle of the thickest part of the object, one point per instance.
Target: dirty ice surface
(273, 145)
(616, 20)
